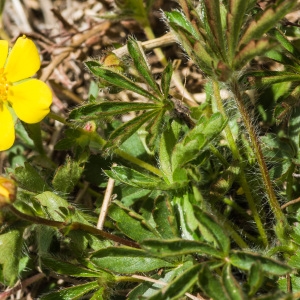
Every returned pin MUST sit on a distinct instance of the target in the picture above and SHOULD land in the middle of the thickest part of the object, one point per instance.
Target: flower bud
(8, 191)
(90, 126)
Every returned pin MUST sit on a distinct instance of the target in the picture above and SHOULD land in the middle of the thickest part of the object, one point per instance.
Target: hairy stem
(242, 177)
(274, 204)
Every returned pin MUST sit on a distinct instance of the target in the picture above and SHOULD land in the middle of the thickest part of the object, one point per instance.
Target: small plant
(206, 202)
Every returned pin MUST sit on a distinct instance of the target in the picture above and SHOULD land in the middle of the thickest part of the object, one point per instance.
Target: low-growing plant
(202, 200)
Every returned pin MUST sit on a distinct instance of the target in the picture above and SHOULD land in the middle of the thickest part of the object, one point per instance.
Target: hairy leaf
(126, 260)
(245, 260)
(118, 80)
(176, 247)
(136, 52)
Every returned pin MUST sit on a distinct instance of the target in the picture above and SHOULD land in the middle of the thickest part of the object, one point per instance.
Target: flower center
(4, 86)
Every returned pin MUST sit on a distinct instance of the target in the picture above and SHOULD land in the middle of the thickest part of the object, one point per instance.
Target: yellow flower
(30, 98)
(8, 191)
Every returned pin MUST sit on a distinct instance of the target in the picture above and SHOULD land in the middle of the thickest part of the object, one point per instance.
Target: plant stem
(274, 204)
(101, 142)
(66, 227)
(242, 177)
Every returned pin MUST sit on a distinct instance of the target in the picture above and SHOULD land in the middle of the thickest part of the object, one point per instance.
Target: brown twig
(106, 201)
(77, 41)
(22, 285)
(290, 203)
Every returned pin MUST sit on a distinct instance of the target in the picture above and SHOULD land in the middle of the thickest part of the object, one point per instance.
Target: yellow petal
(7, 129)
(30, 100)
(3, 52)
(23, 60)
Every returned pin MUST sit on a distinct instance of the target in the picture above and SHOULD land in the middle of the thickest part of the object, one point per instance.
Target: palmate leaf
(261, 78)
(130, 223)
(154, 128)
(235, 19)
(216, 231)
(179, 286)
(148, 289)
(178, 20)
(285, 43)
(178, 247)
(127, 260)
(72, 293)
(193, 44)
(135, 178)
(165, 218)
(266, 20)
(245, 260)
(106, 109)
(252, 49)
(66, 268)
(136, 52)
(214, 20)
(11, 250)
(166, 77)
(231, 286)
(212, 285)
(123, 132)
(117, 79)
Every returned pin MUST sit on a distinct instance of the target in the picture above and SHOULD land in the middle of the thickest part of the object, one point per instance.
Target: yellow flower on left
(30, 98)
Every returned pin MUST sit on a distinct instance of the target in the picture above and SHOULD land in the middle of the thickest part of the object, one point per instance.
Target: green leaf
(252, 49)
(187, 150)
(148, 289)
(123, 132)
(29, 179)
(231, 286)
(211, 127)
(126, 260)
(235, 20)
(268, 78)
(11, 250)
(266, 20)
(99, 295)
(118, 80)
(186, 217)
(214, 21)
(130, 223)
(168, 140)
(154, 128)
(179, 286)
(256, 278)
(135, 178)
(282, 39)
(177, 19)
(294, 279)
(245, 260)
(65, 268)
(214, 229)
(136, 52)
(59, 209)
(164, 218)
(67, 176)
(166, 79)
(174, 247)
(105, 109)
(72, 293)
(211, 285)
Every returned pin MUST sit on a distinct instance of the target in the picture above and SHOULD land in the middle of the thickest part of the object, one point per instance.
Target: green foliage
(194, 208)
